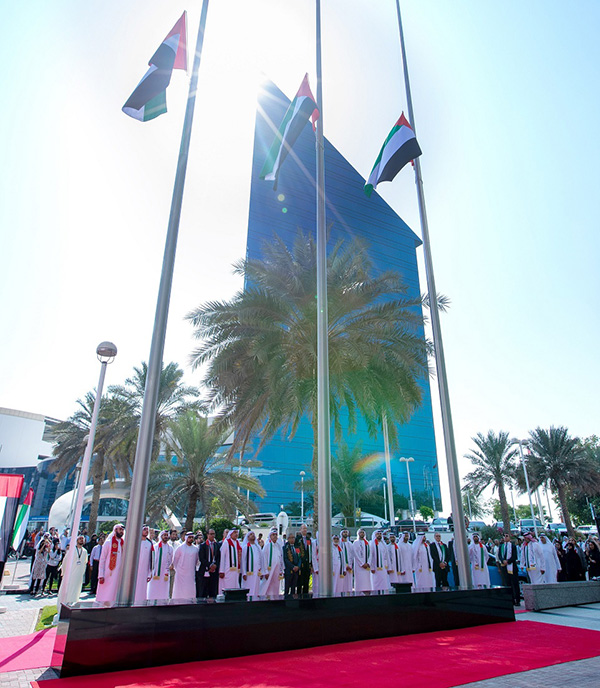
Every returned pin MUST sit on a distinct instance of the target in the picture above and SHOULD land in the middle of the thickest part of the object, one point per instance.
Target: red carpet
(27, 651)
(429, 660)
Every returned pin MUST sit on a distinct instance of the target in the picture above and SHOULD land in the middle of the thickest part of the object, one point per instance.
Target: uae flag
(10, 493)
(22, 520)
(300, 110)
(149, 100)
(399, 148)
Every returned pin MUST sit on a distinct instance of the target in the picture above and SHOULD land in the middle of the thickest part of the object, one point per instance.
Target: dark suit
(305, 563)
(291, 559)
(511, 580)
(441, 573)
(208, 586)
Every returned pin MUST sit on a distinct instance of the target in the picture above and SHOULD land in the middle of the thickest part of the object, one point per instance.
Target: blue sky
(506, 104)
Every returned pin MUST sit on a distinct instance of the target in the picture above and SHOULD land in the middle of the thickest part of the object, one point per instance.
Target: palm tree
(260, 348)
(564, 461)
(201, 473)
(493, 460)
(71, 439)
(173, 398)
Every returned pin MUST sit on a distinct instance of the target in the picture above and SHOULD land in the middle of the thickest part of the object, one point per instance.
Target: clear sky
(506, 105)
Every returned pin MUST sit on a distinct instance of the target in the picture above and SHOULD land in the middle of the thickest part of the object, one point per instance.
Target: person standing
(109, 567)
(251, 565)
(532, 558)
(158, 586)
(593, 559)
(291, 566)
(508, 567)
(551, 562)
(272, 565)
(72, 592)
(145, 564)
(40, 563)
(209, 556)
(338, 568)
(478, 556)
(360, 556)
(65, 539)
(94, 562)
(394, 559)
(184, 563)
(439, 557)
(406, 558)
(304, 547)
(378, 562)
(422, 564)
(314, 549)
(230, 567)
(54, 559)
(561, 554)
(348, 554)
(175, 544)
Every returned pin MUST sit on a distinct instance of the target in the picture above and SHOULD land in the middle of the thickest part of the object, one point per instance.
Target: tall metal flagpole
(388, 471)
(139, 482)
(453, 474)
(323, 425)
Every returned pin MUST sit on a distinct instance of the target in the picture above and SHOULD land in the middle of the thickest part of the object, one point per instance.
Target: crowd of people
(187, 565)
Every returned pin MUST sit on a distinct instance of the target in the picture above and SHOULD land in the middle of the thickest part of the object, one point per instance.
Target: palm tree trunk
(191, 511)
(562, 499)
(504, 507)
(98, 476)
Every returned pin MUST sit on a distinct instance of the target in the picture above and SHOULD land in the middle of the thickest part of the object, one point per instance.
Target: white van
(267, 518)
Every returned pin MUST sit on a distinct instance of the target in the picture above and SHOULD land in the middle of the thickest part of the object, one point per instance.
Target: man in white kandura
(109, 568)
(532, 558)
(551, 560)
(378, 562)
(251, 562)
(394, 560)
(158, 587)
(338, 567)
(184, 563)
(144, 572)
(406, 555)
(348, 552)
(314, 558)
(71, 594)
(478, 556)
(230, 567)
(422, 564)
(362, 570)
(271, 565)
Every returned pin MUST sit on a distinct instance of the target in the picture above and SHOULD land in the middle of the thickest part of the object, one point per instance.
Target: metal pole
(388, 472)
(302, 496)
(143, 454)
(323, 425)
(385, 509)
(411, 503)
(67, 567)
(548, 500)
(538, 499)
(462, 559)
(469, 503)
(527, 483)
(512, 498)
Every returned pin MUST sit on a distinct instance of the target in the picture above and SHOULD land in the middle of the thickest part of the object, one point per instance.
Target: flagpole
(462, 559)
(323, 423)
(143, 454)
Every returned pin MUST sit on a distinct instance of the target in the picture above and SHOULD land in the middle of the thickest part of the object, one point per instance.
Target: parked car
(526, 525)
(476, 525)
(587, 530)
(439, 524)
(267, 518)
(559, 528)
(407, 525)
(365, 521)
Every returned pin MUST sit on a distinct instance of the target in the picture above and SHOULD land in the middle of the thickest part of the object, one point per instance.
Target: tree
(564, 461)
(202, 471)
(493, 460)
(473, 504)
(426, 512)
(260, 348)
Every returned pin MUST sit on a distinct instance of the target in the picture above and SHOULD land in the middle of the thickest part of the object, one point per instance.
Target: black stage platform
(97, 639)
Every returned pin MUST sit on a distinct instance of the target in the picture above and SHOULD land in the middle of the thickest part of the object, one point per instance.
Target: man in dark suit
(303, 545)
(509, 570)
(291, 566)
(208, 574)
(440, 561)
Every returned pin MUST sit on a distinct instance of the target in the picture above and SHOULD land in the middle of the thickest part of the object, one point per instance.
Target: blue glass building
(391, 245)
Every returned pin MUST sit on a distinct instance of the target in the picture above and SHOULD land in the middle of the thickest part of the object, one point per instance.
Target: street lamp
(302, 474)
(521, 443)
(106, 352)
(411, 503)
(385, 509)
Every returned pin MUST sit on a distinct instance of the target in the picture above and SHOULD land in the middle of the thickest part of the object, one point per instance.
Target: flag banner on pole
(10, 493)
(149, 99)
(22, 520)
(399, 148)
(303, 107)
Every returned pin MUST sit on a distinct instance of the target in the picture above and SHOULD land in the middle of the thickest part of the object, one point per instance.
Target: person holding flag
(158, 586)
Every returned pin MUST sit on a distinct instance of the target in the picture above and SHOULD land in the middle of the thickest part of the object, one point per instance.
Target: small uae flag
(22, 520)
(300, 110)
(399, 148)
(149, 100)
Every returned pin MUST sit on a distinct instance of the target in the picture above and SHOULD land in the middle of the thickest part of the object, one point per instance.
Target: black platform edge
(97, 639)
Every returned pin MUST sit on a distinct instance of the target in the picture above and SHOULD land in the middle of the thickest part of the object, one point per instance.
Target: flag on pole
(303, 107)
(10, 493)
(399, 148)
(149, 99)
(22, 520)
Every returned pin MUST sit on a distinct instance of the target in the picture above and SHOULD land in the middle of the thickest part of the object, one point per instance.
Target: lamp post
(106, 352)
(385, 507)
(521, 443)
(410, 503)
(302, 474)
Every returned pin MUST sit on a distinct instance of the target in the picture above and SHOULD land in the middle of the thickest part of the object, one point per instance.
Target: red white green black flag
(149, 99)
(398, 149)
